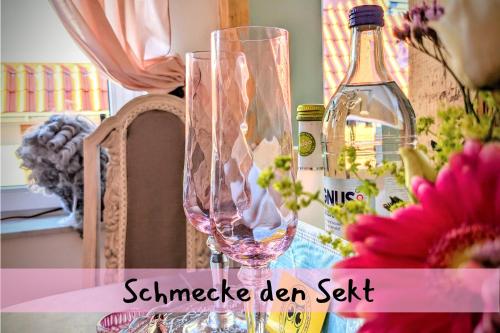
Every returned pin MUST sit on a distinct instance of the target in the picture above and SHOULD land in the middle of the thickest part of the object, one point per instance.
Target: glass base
(213, 322)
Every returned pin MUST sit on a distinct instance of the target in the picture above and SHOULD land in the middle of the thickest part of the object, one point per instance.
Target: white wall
(32, 32)
(302, 18)
(50, 249)
(192, 21)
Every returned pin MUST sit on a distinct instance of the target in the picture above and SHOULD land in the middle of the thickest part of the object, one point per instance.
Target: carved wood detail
(112, 136)
(111, 212)
(198, 254)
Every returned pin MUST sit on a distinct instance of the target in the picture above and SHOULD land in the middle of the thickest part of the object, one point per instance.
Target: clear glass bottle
(310, 171)
(368, 111)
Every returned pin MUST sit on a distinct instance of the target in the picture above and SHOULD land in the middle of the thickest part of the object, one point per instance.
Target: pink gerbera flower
(455, 215)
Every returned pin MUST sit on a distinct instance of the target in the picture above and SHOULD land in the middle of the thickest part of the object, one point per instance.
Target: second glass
(251, 128)
(197, 170)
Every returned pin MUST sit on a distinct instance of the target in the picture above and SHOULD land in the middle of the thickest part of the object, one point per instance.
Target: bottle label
(390, 193)
(338, 191)
(309, 145)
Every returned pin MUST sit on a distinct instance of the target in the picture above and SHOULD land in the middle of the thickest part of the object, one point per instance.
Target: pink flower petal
(397, 247)
(446, 184)
(472, 148)
(467, 190)
(435, 206)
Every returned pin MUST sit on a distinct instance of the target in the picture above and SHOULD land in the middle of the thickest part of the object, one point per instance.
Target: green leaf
(265, 177)
(416, 163)
(368, 187)
(283, 163)
(424, 125)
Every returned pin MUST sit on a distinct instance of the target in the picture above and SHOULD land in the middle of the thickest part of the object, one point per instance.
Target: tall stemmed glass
(197, 171)
(252, 126)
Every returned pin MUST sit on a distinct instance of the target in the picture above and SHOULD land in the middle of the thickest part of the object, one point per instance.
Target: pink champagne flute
(197, 171)
(251, 127)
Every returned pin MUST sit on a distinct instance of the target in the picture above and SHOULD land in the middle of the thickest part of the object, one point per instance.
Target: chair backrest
(143, 220)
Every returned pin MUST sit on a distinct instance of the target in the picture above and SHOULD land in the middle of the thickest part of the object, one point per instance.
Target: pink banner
(182, 290)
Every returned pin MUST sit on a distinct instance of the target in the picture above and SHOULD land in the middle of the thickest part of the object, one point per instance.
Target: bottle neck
(367, 57)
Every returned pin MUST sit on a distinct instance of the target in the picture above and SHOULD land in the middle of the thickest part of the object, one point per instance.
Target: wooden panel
(233, 13)
(429, 86)
(91, 203)
(198, 253)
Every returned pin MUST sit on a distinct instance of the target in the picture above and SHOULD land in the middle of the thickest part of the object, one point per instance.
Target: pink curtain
(128, 39)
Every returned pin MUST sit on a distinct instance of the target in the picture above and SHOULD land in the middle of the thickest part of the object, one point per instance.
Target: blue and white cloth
(307, 252)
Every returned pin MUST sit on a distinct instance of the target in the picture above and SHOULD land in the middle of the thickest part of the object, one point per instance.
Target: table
(50, 322)
(306, 251)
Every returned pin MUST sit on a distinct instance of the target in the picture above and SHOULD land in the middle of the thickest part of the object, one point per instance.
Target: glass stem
(256, 321)
(219, 267)
(255, 310)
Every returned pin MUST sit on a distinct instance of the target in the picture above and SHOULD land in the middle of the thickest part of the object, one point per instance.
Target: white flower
(470, 32)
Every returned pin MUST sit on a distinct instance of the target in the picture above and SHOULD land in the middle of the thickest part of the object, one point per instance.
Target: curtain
(127, 39)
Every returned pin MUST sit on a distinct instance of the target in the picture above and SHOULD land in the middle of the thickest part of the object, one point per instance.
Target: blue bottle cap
(366, 14)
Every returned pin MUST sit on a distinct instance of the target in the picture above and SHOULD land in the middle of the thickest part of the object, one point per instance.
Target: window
(32, 92)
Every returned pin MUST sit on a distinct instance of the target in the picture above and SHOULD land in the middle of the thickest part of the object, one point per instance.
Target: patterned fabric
(307, 252)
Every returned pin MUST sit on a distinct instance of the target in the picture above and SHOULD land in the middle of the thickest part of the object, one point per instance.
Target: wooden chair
(143, 223)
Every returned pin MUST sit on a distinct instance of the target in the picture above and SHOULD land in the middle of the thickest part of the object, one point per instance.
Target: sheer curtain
(127, 39)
